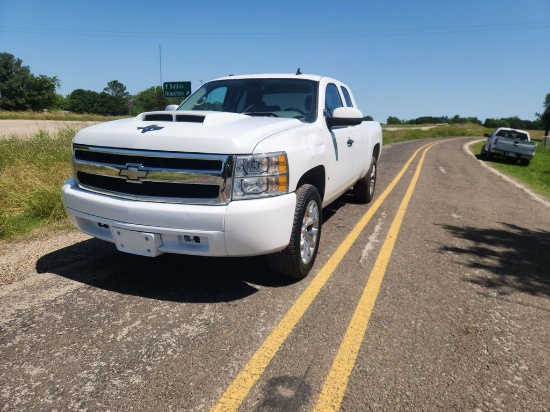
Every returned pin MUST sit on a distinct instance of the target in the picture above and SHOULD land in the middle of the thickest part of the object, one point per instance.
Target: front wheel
(488, 155)
(363, 189)
(297, 259)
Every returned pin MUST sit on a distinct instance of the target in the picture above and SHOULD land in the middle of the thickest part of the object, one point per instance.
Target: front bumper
(240, 228)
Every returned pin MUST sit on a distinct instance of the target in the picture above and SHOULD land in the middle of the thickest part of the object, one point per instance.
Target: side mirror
(171, 107)
(345, 116)
(487, 135)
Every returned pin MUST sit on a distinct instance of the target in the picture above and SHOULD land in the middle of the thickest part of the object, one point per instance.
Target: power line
(291, 35)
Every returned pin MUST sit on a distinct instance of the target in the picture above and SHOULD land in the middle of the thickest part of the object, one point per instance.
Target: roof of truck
(273, 76)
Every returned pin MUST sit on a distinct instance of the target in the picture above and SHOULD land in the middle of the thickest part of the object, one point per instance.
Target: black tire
(488, 154)
(524, 162)
(297, 259)
(363, 189)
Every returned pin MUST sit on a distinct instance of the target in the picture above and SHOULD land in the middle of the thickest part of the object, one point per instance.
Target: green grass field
(32, 171)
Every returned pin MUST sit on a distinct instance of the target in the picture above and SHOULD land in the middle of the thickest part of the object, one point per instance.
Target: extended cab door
(342, 172)
(347, 144)
(362, 149)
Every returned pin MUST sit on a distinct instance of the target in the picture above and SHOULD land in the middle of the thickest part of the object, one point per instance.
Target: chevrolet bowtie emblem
(132, 173)
(151, 128)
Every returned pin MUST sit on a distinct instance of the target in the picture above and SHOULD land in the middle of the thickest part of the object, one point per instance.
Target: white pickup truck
(242, 167)
(511, 144)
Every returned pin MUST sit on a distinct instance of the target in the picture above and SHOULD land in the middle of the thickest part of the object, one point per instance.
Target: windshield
(290, 98)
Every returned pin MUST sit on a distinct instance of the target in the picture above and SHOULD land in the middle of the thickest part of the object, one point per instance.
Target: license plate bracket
(137, 243)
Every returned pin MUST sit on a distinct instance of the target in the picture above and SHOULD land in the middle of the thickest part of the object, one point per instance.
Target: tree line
(20, 90)
(512, 122)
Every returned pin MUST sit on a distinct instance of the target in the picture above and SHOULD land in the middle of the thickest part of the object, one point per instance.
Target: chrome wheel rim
(310, 230)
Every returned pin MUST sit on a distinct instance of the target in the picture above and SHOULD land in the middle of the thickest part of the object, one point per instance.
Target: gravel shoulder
(18, 259)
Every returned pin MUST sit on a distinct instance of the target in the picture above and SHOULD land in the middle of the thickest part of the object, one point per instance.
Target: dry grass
(56, 115)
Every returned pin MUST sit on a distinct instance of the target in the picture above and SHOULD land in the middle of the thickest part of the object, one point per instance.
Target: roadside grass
(536, 175)
(395, 134)
(31, 174)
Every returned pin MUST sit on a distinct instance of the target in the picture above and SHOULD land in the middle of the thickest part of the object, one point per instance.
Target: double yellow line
(335, 385)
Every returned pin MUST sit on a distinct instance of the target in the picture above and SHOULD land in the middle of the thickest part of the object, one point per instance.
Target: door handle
(350, 142)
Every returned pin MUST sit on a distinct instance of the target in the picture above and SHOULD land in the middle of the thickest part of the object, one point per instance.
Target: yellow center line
(237, 391)
(336, 382)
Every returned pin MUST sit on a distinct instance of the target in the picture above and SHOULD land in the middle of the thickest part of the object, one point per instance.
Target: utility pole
(160, 65)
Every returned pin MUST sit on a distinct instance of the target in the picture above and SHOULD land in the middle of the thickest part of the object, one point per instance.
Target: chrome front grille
(158, 176)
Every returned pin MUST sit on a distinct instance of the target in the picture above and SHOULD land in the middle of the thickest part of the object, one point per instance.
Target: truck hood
(187, 131)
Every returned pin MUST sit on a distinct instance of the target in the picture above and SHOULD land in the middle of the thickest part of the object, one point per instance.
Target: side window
(332, 99)
(347, 96)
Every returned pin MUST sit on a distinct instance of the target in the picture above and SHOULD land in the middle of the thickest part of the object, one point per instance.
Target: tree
(513, 122)
(113, 101)
(117, 89)
(21, 90)
(544, 118)
(82, 101)
(393, 120)
(12, 77)
(151, 99)
(40, 92)
(60, 102)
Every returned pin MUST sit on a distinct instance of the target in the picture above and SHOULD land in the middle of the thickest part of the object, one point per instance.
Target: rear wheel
(524, 162)
(297, 259)
(363, 189)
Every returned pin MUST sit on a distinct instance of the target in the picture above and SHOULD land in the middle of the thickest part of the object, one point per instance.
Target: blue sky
(483, 58)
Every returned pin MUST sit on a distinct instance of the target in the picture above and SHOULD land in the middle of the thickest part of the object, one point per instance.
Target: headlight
(260, 176)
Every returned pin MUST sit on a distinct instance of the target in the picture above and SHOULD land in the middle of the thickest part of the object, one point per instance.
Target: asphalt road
(435, 297)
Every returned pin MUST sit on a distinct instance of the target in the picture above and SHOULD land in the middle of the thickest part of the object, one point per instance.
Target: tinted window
(332, 99)
(512, 134)
(347, 96)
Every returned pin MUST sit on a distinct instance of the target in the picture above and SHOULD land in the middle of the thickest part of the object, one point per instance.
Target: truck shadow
(346, 199)
(169, 277)
(172, 277)
(516, 258)
(497, 159)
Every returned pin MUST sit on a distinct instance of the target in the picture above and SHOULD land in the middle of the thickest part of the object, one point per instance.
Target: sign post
(176, 90)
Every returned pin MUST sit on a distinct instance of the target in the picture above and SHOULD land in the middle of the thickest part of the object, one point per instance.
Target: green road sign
(176, 89)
